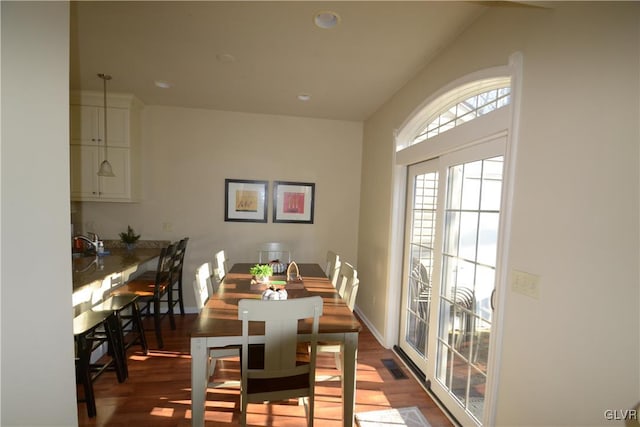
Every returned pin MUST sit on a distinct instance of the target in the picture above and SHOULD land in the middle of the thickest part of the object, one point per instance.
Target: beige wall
(188, 153)
(38, 374)
(573, 353)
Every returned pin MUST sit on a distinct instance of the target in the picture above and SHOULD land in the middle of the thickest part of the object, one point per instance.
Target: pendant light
(105, 166)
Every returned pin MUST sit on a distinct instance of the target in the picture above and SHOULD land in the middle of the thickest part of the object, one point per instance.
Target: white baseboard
(372, 328)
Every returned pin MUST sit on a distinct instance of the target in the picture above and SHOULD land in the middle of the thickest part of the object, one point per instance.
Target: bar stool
(155, 291)
(125, 307)
(84, 327)
(176, 286)
(127, 311)
(176, 281)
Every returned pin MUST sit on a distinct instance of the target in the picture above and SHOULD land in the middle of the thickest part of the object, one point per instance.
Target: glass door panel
(419, 261)
(471, 218)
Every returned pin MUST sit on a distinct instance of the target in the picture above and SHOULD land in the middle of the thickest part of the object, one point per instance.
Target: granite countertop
(88, 269)
(140, 244)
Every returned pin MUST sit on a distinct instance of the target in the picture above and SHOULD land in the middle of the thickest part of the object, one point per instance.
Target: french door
(451, 240)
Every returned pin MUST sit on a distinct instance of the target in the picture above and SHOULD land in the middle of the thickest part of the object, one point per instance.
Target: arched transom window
(462, 105)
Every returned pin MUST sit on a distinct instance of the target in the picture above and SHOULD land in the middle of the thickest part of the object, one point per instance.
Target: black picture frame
(245, 200)
(293, 202)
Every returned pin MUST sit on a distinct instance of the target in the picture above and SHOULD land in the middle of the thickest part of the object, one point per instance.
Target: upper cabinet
(88, 147)
(87, 125)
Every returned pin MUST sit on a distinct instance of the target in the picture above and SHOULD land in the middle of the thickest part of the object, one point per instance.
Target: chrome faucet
(94, 243)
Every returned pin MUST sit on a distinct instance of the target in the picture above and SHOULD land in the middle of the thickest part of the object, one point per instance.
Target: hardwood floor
(157, 392)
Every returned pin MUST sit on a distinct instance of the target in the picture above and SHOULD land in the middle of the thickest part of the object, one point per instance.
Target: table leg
(199, 380)
(349, 365)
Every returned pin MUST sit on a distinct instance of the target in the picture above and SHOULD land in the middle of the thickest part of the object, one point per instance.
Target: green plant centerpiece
(129, 238)
(261, 272)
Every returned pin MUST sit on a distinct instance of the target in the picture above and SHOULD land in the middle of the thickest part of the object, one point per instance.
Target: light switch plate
(525, 283)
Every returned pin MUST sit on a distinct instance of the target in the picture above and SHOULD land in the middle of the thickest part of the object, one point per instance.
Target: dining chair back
(203, 289)
(203, 286)
(333, 266)
(176, 285)
(347, 283)
(278, 373)
(156, 292)
(221, 266)
(272, 251)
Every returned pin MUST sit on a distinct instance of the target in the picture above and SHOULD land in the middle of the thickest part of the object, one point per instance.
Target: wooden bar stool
(84, 327)
(176, 286)
(131, 330)
(176, 280)
(154, 290)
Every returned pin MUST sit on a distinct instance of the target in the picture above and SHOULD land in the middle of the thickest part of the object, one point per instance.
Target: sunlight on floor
(158, 353)
(219, 417)
(162, 412)
(220, 405)
(260, 414)
(181, 402)
(369, 373)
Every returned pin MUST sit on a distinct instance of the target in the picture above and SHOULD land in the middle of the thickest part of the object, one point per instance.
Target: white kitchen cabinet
(87, 125)
(87, 147)
(86, 185)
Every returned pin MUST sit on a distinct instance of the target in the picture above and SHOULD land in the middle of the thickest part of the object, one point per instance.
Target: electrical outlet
(525, 283)
(167, 227)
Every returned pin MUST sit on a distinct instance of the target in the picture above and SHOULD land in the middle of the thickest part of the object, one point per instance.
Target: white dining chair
(203, 288)
(272, 251)
(333, 266)
(221, 266)
(347, 284)
(278, 373)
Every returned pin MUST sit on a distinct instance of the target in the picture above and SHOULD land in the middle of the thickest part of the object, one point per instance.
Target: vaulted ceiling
(259, 56)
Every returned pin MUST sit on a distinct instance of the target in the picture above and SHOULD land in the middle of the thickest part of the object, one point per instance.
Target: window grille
(463, 111)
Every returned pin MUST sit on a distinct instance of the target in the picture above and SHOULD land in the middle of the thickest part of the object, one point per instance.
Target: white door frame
(421, 152)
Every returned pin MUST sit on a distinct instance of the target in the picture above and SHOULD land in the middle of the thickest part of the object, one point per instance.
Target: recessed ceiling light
(162, 84)
(225, 58)
(326, 19)
(304, 97)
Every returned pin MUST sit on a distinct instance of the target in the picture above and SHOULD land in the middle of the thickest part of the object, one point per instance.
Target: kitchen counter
(95, 276)
(88, 269)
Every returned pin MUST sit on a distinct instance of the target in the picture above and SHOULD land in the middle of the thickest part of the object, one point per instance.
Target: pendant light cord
(105, 167)
(104, 79)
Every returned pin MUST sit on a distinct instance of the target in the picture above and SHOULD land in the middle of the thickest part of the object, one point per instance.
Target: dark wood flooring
(157, 392)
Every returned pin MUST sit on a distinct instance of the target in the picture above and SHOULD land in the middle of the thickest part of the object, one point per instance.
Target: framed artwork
(245, 200)
(293, 202)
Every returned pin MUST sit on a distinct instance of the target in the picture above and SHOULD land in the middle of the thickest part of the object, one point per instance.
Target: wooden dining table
(218, 326)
